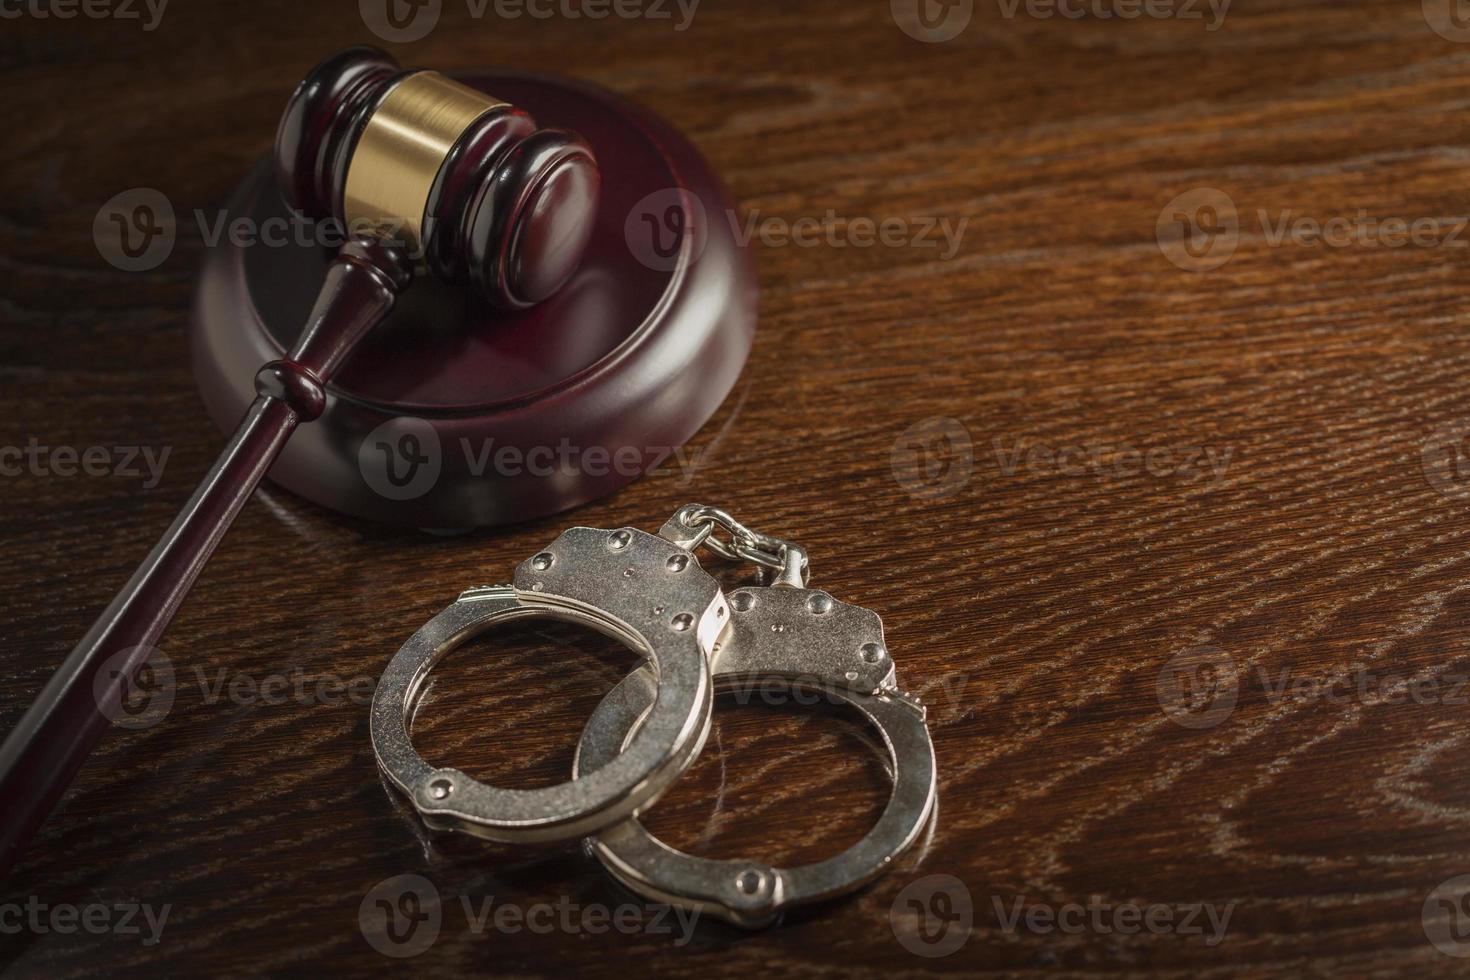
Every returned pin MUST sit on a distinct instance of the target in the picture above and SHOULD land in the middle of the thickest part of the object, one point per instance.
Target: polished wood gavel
(430, 176)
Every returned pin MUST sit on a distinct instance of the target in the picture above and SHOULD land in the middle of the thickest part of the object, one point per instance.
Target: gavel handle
(53, 738)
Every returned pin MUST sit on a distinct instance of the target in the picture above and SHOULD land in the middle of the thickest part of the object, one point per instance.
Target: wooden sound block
(456, 415)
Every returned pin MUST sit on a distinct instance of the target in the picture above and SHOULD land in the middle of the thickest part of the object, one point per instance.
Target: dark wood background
(1035, 604)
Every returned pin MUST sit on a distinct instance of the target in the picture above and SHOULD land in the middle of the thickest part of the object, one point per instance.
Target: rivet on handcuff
(649, 592)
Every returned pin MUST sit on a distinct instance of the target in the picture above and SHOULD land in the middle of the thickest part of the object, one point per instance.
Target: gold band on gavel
(401, 150)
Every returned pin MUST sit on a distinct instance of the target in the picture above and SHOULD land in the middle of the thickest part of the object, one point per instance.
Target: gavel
(429, 177)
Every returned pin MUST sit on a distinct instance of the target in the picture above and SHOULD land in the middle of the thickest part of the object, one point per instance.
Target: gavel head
(466, 183)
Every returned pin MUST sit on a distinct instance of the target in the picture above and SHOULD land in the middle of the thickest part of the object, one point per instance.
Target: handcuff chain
(764, 550)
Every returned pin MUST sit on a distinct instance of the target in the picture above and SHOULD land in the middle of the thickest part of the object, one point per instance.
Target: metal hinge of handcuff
(650, 592)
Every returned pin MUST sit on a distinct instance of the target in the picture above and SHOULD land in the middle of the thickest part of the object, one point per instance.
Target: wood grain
(1036, 605)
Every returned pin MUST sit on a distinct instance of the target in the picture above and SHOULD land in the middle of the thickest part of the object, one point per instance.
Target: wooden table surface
(1159, 497)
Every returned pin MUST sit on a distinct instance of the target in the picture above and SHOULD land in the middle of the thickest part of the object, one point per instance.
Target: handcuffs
(650, 593)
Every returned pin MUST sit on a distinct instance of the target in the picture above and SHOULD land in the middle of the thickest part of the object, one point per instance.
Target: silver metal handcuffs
(650, 593)
(804, 638)
(643, 590)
